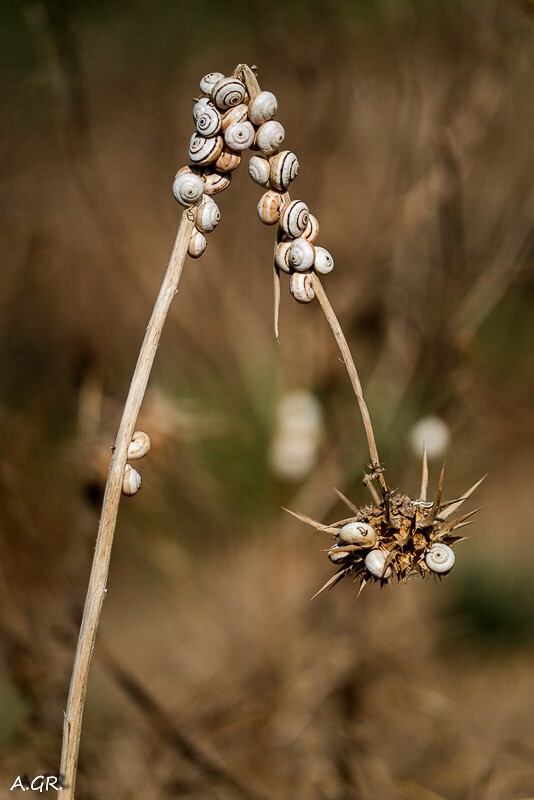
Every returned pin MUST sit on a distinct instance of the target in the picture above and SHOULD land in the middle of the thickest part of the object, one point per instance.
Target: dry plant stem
(339, 336)
(96, 591)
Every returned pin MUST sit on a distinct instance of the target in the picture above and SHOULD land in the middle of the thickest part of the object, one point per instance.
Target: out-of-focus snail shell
(294, 218)
(228, 92)
(236, 114)
(228, 160)
(284, 169)
(301, 287)
(360, 533)
(375, 561)
(440, 558)
(187, 188)
(312, 229)
(139, 446)
(208, 121)
(324, 262)
(197, 244)
(209, 81)
(280, 256)
(215, 183)
(204, 151)
(208, 215)
(269, 137)
(263, 107)
(239, 135)
(269, 207)
(301, 255)
(335, 555)
(259, 170)
(131, 481)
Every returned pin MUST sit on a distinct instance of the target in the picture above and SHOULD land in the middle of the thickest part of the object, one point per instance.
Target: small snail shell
(209, 81)
(301, 255)
(269, 137)
(375, 562)
(139, 446)
(259, 170)
(312, 229)
(269, 207)
(208, 122)
(336, 555)
(324, 262)
(360, 533)
(284, 169)
(281, 254)
(200, 106)
(197, 244)
(228, 92)
(208, 215)
(440, 558)
(301, 287)
(239, 135)
(215, 182)
(228, 160)
(263, 107)
(187, 188)
(236, 114)
(294, 218)
(131, 481)
(204, 151)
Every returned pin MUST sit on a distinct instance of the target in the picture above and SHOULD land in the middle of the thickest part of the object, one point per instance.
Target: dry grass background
(413, 123)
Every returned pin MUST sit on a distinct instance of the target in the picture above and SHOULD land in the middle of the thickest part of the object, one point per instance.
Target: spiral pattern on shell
(301, 255)
(200, 106)
(210, 80)
(294, 218)
(187, 188)
(131, 481)
(269, 137)
(239, 135)
(228, 92)
(301, 287)
(269, 207)
(259, 170)
(324, 262)
(204, 151)
(197, 244)
(311, 231)
(228, 160)
(263, 107)
(208, 122)
(208, 215)
(216, 182)
(440, 558)
(360, 533)
(281, 256)
(375, 561)
(236, 114)
(139, 446)
(284, 169)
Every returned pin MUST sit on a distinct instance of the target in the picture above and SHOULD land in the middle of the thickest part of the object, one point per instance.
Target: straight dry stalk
(96, 591)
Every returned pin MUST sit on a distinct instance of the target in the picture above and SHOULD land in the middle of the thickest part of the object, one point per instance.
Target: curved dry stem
(96, 591)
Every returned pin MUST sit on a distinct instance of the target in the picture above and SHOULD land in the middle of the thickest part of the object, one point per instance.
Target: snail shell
(269, 137)
(208, 215)
(208, 120)
(228, 92)
(294, 218)
(263, 107)
(360, 533)
(324, 262)
(215, 183)
(269, 207)
(200, 106)
(301, 287)
(301, 255)
(209, 81)
(204, 151)
(440, 558)
(281, 256)
(197, 244)
(259, 170)
(312, 229)
(335, 555)
(228, 160)
(236, 114)
(187, 187)
(131, 481)
(284, 169)
(375, 562)
(139, 446)
(239, 135)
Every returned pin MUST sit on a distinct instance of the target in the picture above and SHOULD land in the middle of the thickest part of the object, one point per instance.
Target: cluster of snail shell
(138, 448)
(228, 122)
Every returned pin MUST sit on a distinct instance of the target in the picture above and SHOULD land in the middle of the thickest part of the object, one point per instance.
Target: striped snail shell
(312, 229)
(215, 183)
(360, 533)
(294, 218)
(263, 107)
(375, 561)
(209, 81)
(301, 255)
(239, 135)
(208, 215)
(131, 481)
(301, 287)
(440, 558)
(269, 137)
(228, 160)
(139, 446)
(281, 256)
(208, 121)
(200, 106)
(197, 244)
(236, 114)
(204, 151)
(187, 187)
(228, 92)
(335, 554)
(284, 169)
(324, 262)
(269, 207)
(259, 170)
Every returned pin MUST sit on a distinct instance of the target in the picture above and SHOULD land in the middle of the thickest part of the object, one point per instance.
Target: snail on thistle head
(360, 533)
(228, 92)
(375, 561)
(301, 287)
(440, 558)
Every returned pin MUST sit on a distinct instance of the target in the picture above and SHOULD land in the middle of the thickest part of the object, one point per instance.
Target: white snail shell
(228, 160)
(197, 244)
(239, 135)
(215, 183)
(204, 151)
(228, 92)
(375, 561)
(187, 187)
(269, 207)
(301, 255)
(335, 555)
(199, 107)
(312, 228)
(301, 287)
(440, 557)
(259, 170)
(269, 137)
(281, 254)
(236, 114)
(294, 218)
(209, 81)
(360, 533)
(263, 107)
(131, 481)
(324, 262)
(207, 120)
(208, 215)
(284, 169)
(139, 446)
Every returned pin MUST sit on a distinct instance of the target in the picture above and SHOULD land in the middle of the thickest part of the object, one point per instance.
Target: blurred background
(214, 675)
